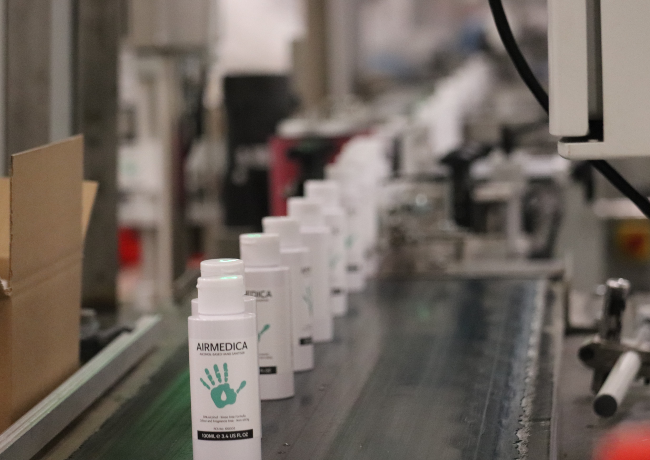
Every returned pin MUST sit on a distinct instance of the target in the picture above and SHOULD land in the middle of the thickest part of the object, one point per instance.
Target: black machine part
(613, 308)
(254, 104)
(312, 155)
(616, 362)
(460, 162)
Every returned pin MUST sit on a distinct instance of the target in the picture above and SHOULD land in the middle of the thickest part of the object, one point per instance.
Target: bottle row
(256, 318)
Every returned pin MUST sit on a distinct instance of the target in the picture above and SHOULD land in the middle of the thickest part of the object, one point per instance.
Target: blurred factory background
(201, 117)
(177, 102)
(202, 88)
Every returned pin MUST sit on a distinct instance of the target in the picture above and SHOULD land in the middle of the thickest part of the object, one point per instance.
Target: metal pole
(27, 115)
(61, 69)
(621, 377)
(618, 383)
(96, 70)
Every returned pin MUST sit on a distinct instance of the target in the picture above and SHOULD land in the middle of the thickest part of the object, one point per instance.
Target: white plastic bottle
(225, 401)
(315, 235)
(352, 201)
(296, 256)
(362, 162)
(269, 283)
(328, 193)
(211, 268)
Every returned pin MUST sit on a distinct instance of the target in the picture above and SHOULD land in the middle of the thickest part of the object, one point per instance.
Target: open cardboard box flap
(45, 207)
(89, 191)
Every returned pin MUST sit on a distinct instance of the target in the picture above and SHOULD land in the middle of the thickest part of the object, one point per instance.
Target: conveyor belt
(418, 370)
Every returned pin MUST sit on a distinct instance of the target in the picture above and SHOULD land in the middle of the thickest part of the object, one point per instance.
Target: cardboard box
(45, 207)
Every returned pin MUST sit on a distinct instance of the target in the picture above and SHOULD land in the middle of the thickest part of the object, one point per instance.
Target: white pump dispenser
(269, 283)
(212, 268)
(296, 256)
(316, 235)
(352, 202)
(224, 373)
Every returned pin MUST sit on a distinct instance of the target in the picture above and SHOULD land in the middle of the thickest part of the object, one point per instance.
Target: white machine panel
(626, 84)
(568, 69)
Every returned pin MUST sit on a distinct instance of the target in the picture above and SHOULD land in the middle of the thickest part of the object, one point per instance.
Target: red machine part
(627, 442)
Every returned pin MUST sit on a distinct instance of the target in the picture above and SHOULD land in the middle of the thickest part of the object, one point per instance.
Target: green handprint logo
(349, 241)
(222, 395)
(264, 329)
(334, 260)
(307, 298)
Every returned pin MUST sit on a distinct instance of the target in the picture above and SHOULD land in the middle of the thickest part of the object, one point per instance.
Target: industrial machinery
(461, 345)
(617, 363)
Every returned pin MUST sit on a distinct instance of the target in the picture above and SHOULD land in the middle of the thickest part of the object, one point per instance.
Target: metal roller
(617, 384)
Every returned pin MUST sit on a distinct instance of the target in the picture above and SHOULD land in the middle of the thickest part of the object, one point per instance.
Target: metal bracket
(601, 355)
(29, 434)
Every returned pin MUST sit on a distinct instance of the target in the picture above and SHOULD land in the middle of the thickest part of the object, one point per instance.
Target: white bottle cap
(221, 296)
(221, 267)
(260, 249)
(308, 212)
(287, 228)
(327, 192)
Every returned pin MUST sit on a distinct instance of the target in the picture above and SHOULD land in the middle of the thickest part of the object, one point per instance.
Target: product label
(337, 261)
(305, 320)
(230, 436)
(273, 330)
(225, 391)
(353, 244)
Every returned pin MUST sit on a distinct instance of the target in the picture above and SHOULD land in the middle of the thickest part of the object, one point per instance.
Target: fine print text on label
(225, 436)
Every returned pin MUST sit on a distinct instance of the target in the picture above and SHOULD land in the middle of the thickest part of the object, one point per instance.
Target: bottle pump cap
(287, 228)
(221, 267)
(221, 296)
(327, 192)
(260, 249)
(307, 211)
